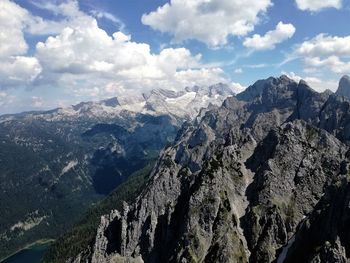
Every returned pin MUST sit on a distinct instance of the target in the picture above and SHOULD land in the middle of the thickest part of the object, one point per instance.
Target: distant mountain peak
(179, 104)
(344, 87)
(255, 180)
(345, 77)
(259, 86)
(112, 102)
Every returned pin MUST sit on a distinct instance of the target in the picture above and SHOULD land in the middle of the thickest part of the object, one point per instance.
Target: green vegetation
(82, 235)
(33, 204)
(52, 171)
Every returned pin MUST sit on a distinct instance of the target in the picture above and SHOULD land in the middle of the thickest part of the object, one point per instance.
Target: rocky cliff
(263, 178)
(55, 164)
(344, 87)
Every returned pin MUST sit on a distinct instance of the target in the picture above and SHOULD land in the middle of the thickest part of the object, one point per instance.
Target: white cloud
(271, 38)
(317, 5)
(237, 87)
(89, 49)
(333, 62)
(15, 68)
(83, 62)
(37, 102)
(316, 83)
(325, 45)
(67, 14)
(12, 19)
(65, 8)
(87, 56)
(19, 70)
(211, 22)
(256, 66)
(323, 51)
(110, 17)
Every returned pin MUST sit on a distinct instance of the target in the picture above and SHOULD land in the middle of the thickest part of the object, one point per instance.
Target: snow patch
(182, 100)
(69, 166)
(135, 107)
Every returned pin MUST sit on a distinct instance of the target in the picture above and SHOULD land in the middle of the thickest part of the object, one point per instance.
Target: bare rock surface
(263, 178)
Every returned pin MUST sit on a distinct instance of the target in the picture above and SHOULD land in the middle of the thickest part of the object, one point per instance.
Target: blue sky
(59, 52)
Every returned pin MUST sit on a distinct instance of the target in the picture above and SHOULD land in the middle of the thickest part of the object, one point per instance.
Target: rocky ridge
(263, 178)
(179, 105)
(55, 164)
(344, 87)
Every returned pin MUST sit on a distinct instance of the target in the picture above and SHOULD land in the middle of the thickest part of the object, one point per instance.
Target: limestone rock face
(344, 87)
(263, 178)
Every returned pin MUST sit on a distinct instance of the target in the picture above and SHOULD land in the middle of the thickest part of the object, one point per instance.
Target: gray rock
(344, 87)
(262, 178)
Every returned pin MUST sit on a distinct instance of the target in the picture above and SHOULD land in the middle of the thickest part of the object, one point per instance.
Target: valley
(260, 178)
(54, 165)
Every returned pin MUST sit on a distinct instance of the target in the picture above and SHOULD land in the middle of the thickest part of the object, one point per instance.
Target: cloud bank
(85, 61)
(317, 5)
(211, 22)
(281, 33)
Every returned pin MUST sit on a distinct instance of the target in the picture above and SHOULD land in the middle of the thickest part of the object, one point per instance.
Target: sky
(56, 53)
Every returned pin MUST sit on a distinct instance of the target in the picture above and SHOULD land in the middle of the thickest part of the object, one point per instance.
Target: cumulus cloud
(211, 22)
(281, 33)
(66, 14)
(15, 67)
(317, 5)
(324, 51)
(12, 19)
(325, 45)
(333, 62)
(19, 70)
(316, 83)
(83, 62)
(110, 17)
(87, 52)
(83, 57)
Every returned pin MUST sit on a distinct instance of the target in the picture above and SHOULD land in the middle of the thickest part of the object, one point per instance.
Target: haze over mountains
(150, 131)
(55, 164)
(262, 178)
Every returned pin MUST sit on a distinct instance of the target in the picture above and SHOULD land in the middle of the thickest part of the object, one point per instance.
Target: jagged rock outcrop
(255, 180)
(71, 157)
(344, 87)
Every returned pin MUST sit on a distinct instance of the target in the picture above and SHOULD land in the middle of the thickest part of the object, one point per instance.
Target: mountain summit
(262, 178)
(344, 87)
(179, 105)
(69, 158)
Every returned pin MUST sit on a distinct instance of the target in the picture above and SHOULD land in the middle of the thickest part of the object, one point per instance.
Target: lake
(29, 255)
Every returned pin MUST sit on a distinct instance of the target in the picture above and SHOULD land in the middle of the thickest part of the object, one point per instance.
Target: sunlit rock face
(344, 87)
(263, 178)
(55, 164)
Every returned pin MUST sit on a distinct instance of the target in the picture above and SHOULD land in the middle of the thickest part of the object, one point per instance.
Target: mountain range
(55, 164)
(264, 177)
